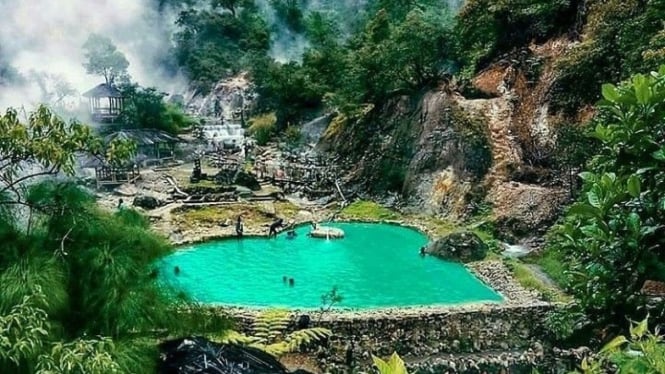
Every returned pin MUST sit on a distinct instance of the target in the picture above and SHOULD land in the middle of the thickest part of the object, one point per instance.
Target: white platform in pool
(327, 233)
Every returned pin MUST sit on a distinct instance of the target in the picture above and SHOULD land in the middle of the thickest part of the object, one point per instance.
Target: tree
(103, 58)
(145, 109)
(230, 5)
(70, 270)
(419, 48)
(613, 237)
(211, 45)
(43, 146)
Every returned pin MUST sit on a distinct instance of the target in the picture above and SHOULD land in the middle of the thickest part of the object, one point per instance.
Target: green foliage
(553, 264)
(49, 142)
(103, 58)
(529, 280)
(68, 269)
(574, 147)
(644, 352)
(403, 51)
(394, 365)
(293, 136)
(563, 322)
(287, 89)
(622, 37)
(23, 330)
(82, 272)
(368, 210)
(290, 12)
(145, 109)
(613, 236)
(81, 356)
(487, 28)
(212, 45)
(262, 127)
(268, 334)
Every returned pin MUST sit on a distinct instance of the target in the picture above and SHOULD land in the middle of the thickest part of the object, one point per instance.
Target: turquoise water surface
(374, 266)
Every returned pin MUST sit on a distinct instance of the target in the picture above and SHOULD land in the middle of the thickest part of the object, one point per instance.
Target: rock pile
(500, 279)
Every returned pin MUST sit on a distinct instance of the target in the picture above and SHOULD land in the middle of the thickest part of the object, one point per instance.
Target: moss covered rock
(460, 246)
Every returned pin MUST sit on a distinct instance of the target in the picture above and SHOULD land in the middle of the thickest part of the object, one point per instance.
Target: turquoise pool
(374, 266)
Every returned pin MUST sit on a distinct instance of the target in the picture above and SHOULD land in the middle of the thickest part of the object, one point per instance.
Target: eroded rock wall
(422, 146)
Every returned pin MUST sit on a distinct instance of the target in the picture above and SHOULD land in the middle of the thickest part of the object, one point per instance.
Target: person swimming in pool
(291, 230)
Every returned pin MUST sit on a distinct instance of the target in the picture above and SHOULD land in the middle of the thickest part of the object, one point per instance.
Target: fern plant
(394, 365)
(268, 334)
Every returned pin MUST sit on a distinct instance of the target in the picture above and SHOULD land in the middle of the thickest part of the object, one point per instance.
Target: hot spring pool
(374, 266)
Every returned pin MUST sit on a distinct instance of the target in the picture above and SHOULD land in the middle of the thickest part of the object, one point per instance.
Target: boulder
(146, 202)
(245, 179)
(461, 246)
(199, 355)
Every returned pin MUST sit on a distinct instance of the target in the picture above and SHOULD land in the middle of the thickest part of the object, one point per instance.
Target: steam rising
(41, 43)
(287, 45)
(42, 40)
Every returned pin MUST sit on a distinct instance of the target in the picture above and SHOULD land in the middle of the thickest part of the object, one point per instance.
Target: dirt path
(540, 274)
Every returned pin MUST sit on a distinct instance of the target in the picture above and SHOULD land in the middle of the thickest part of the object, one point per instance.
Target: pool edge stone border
(421, 331)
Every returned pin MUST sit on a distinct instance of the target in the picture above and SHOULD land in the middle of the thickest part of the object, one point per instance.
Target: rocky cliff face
(229, 101)
(448, 152)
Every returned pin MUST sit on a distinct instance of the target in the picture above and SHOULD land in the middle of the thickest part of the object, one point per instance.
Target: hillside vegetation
(78, 284)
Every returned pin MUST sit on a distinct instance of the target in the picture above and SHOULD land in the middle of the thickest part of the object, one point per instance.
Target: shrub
(293, 136)
(612, 237)
(262, 127)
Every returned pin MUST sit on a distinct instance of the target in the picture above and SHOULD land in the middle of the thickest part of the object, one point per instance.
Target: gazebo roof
(103, 90)
(143, 136)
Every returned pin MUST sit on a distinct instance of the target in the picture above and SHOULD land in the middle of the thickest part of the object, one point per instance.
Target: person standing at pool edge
(239, 227)
(273, 228)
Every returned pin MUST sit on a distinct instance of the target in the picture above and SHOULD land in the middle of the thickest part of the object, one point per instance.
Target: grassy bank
(257, 214)
(529, 280)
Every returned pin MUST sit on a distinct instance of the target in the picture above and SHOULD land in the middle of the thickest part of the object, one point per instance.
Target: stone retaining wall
(427, 336)
(424, 332)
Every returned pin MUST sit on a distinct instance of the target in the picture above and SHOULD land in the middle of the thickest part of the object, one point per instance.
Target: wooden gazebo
(106, 102)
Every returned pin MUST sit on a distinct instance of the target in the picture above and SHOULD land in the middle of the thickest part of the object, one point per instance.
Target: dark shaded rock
(198, 355)
(303, 322)
(146, 202)
(237, 177)
(246, 180)
(462, 246)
